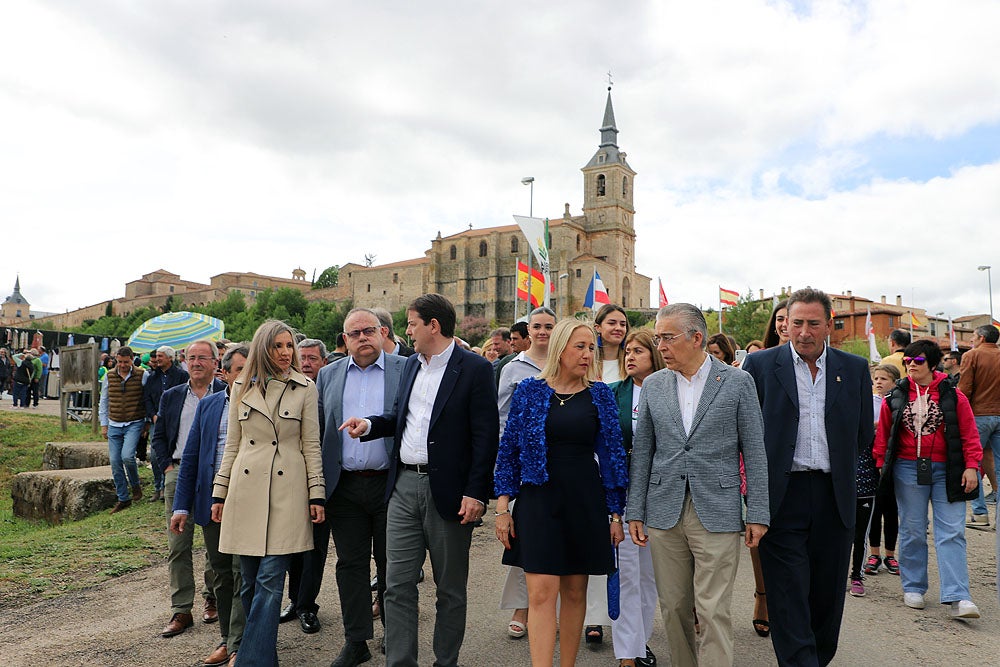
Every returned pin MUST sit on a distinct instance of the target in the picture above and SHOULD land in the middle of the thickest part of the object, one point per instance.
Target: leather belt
(176, 462)
(419, 468)
(366, 473)
(810, 471)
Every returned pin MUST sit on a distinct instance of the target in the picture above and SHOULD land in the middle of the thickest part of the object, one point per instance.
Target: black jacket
(954, 457)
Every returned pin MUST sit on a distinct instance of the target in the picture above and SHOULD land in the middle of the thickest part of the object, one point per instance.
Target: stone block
(60, 495)
(71, 455)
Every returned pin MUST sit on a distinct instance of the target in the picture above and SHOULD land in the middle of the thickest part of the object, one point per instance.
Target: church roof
(608, 148)
(17, 297)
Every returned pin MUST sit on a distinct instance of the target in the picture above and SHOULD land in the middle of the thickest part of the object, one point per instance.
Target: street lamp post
(530, 182)
(989, 283)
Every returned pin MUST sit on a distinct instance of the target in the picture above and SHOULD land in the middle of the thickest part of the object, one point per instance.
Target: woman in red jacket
(927, 445)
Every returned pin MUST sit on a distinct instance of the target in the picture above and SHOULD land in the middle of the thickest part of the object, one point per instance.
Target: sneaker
(978, 521)
(857, 588)
(991, 498)
(872, 564)
(892, 565)
(964, 609)
(915, 600)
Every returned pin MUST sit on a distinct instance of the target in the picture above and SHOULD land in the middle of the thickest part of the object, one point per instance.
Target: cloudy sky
(842, 145)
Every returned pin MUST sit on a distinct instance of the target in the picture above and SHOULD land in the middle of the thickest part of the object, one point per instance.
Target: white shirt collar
(820, 362)
(438, 360)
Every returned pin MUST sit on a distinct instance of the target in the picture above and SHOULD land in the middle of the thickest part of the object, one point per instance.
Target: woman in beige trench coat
(270, 484)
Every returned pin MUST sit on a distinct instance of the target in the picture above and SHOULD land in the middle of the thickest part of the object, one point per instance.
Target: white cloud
(310, 134)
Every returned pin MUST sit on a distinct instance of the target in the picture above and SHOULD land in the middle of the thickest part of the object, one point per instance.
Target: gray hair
(227, 358)
(167, 351)
(691, 319)
(313, 342)
(384, 317)
(203, 341)
(989, 333)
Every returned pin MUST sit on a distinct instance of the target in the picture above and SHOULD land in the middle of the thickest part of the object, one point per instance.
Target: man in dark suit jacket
(170, 433)
(817, 409)
(445, 430)
(193, 504)
(165, 376)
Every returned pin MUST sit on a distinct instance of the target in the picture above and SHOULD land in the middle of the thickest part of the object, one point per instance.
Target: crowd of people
(628, 467)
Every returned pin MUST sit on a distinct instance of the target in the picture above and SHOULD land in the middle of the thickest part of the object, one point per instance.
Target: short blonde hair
(561, 334)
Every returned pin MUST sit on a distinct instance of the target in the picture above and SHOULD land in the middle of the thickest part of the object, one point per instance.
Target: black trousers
(885, 517)
(357, 515)
(804, 557)
(305, 570)
(861, 519)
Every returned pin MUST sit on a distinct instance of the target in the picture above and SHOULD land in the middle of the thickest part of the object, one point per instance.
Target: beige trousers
(695, 569)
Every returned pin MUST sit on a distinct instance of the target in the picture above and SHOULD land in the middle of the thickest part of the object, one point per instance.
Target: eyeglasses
(919, 361)
(367, 331)
(668, 339)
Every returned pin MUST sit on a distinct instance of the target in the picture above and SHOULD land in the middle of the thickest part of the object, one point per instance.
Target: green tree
(328, 278)
(745, 321)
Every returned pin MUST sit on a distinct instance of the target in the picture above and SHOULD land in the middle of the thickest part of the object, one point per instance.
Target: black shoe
(381, 645)
(309, 622)
(353, 653)
(648, 661)
(288, 613)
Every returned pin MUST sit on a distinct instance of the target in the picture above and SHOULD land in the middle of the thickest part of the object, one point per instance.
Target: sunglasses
(919, 361)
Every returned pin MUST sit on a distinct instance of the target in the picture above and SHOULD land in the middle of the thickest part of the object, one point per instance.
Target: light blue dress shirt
(364, 394)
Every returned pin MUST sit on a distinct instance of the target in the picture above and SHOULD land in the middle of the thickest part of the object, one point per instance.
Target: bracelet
(616, 519)
(495, 513)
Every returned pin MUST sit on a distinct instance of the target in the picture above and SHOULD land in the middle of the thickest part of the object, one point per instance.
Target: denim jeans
(122, 441)
(989, 438)
(263, 584)
(949, 533)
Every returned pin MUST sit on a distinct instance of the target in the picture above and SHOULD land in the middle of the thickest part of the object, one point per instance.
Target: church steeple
(608, 180)
(16, 297)
(609, 133)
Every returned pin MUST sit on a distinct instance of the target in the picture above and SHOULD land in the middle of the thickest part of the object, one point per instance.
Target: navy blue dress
(561, 526)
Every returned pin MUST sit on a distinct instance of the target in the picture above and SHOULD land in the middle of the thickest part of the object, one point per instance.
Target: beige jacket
(271, 469)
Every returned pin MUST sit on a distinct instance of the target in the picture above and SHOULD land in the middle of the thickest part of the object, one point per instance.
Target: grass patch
(39, 560)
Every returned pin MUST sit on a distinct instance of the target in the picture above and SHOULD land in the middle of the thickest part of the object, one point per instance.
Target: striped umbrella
(176, 330)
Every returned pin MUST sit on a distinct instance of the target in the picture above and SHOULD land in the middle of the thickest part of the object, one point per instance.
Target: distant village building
(476, 268)
(15, 307)
(157, 287)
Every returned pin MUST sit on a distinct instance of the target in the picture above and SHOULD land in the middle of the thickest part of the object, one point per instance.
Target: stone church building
(476, 268)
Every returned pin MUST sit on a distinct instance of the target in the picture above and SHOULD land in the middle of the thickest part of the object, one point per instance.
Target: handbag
(614, 591)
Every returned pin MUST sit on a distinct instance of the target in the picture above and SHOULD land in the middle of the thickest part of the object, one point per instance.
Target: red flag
(663, 295)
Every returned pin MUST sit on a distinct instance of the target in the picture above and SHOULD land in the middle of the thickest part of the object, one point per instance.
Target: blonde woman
(270, 484)
(560, 533)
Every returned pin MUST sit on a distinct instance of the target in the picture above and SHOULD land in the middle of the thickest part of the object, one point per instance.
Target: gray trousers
(414, 528)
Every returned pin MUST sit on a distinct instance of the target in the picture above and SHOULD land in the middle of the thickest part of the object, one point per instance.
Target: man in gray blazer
(695, 419)
(364, 382)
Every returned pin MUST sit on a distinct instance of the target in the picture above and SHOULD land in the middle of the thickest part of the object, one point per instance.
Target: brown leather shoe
(120, 505)
(178, 623)
(136, 492)
(211, 614)
(220, 656)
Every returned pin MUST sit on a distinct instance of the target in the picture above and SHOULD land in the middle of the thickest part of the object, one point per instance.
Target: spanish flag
(537, 284)
(728, 297)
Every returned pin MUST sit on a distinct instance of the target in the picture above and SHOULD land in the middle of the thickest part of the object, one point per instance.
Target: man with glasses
(684, 502)
(364, 382)
(123, 416)
(170, 434)
(952, 365)
(167, 374)
(818, 414)
(980, 382)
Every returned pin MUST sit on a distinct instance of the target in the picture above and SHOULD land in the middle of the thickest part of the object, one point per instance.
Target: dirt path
(118, 623)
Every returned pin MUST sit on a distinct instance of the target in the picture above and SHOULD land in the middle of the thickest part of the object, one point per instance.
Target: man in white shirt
(445, 427)
(695, 419)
